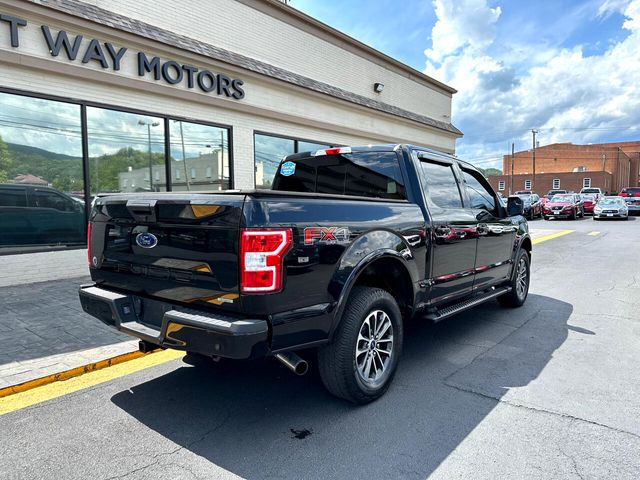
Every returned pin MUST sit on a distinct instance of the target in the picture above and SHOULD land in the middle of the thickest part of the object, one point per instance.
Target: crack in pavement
(539, 409)
(574, 464)
(159, 456)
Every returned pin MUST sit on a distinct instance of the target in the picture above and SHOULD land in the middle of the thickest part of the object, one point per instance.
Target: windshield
(591, 190)
(588, 198)
(562, 199)
(631, 190)
(525, 198)
(610, 201)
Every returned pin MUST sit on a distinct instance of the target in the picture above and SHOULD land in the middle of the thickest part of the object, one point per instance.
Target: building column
(243, 161)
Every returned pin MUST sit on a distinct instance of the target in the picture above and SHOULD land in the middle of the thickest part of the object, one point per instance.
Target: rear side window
(442, 187)
(13, 197)
(366, 174)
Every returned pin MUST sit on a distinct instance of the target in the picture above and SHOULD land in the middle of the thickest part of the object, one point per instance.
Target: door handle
(413, 240)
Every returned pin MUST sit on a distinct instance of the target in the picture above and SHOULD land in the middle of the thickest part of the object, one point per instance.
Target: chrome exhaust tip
(293, 362)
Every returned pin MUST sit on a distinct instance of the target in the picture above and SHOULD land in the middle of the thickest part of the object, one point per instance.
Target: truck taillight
(89, 244)
(261, 259)
(331, 151)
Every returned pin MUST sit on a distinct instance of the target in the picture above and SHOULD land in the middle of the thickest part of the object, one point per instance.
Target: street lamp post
(149, 125)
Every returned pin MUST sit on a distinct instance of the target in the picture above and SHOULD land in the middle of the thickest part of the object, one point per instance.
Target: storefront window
(199, 156)
(268, 153)
(41, 180)
(269, 150)
(310, 147)
(126, 152)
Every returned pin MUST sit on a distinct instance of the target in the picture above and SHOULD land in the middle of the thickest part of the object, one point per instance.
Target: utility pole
(513, 147)
(149, 125)
(533, 184)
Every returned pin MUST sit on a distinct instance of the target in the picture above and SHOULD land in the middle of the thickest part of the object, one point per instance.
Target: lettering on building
(86, 50)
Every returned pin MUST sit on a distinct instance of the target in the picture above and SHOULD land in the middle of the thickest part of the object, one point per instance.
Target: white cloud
(501, 96)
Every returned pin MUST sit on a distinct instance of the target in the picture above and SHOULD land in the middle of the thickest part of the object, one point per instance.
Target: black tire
(545, 217)
(338, 361)
(517, 296)
(573, 215)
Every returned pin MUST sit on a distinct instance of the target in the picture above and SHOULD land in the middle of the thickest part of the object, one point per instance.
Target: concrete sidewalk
(43, 329)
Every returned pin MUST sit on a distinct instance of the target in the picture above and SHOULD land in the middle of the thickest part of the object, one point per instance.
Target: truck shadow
(258, 420)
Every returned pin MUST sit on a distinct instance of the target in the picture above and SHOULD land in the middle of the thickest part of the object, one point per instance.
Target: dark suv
(36, 215)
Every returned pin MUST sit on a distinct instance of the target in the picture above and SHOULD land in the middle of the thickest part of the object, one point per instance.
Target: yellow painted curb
(84, 377)
(67, 374)
(552, 236)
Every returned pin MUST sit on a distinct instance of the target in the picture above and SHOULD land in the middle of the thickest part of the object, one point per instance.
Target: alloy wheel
(374, 348)
(522, 278)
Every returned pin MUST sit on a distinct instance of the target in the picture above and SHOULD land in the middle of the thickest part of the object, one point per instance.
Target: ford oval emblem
(146, 240)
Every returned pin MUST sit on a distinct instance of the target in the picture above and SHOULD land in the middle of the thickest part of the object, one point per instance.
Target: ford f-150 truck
(348, 244)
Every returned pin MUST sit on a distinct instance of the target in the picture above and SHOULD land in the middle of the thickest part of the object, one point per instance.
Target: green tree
(5, 161)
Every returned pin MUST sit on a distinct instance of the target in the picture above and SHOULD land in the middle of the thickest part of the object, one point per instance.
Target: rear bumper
(181, 328)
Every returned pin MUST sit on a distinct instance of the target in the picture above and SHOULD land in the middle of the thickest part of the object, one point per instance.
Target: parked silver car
(611, 207)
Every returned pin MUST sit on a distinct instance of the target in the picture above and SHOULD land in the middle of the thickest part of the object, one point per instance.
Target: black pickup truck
(348, 244)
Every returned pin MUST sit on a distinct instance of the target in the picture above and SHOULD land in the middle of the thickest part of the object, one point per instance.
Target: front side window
(362, 174)
(196, 148)
(480, 196)
(441, 186)
(47, 199)
(125, 146)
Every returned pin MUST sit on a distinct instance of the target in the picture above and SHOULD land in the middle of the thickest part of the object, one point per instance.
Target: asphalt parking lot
(549, 390)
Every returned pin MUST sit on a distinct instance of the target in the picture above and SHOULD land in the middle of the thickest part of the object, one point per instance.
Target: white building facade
(101, 96)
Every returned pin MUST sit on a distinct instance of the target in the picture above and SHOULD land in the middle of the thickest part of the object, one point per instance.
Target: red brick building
(610, 166)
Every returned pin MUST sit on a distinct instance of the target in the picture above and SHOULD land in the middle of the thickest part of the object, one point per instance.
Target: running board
(465, 305)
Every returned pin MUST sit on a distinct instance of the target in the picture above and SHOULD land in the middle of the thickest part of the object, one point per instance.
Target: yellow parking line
(57, 389)
(593, 234)
(553, 235)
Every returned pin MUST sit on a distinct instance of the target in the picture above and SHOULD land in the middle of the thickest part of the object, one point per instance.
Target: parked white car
(611, 207)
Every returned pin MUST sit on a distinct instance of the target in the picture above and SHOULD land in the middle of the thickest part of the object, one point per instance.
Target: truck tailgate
(180, 248)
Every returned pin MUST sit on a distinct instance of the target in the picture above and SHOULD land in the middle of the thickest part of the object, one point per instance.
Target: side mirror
(515, 206)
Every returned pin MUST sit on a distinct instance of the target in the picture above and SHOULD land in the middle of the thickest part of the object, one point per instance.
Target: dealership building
(108, 96)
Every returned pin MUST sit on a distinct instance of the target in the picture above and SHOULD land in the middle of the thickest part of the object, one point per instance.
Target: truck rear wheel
(360, 363)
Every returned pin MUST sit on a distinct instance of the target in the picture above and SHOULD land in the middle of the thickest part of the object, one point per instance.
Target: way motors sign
(76, 48)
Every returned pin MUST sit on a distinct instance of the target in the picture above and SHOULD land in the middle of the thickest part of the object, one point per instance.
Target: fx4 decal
(326, 235)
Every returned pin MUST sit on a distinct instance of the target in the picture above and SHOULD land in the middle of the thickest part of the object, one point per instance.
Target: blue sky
(568, 68)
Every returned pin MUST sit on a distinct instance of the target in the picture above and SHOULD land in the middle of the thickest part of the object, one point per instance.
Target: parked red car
(630, 192)
(589, 201)
(564, 206)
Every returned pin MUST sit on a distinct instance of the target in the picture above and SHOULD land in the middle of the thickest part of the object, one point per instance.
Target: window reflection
(41, 180)
(126, 152)
(310, 147)
(268, 154)
(199, 157)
